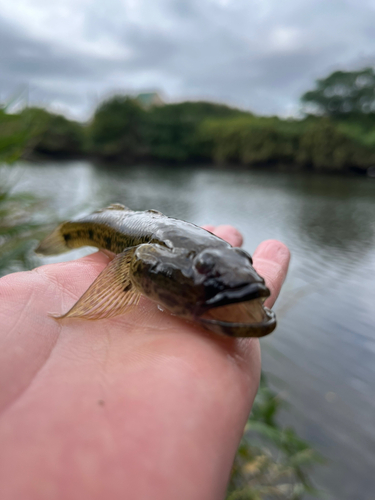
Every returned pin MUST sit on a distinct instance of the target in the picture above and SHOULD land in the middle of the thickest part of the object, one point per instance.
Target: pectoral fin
(111, 294)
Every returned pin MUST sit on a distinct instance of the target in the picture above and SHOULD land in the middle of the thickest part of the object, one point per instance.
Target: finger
(228, 233)
(271, 261)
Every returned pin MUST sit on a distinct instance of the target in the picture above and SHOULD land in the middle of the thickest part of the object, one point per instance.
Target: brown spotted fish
(184, 268)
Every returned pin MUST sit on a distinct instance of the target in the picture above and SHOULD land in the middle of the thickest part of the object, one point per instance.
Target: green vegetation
(18, 228)
(339, 136)
(271, 462)
(250, 140)
(18, 224)
(55, 134)
(52, 135)
(14, 134)
(344, 93)
(318, 143)
(122, 130)
(172, 131)
(35, 131)
(116, 130)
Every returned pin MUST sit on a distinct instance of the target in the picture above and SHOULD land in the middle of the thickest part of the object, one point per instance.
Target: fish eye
(204, 263)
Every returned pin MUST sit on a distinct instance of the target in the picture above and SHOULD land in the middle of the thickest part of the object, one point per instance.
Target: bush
(54, 134)
(116, 131)
(314, 142)
(172, 131)
(250, 140)
(323, 146)
(35, 130)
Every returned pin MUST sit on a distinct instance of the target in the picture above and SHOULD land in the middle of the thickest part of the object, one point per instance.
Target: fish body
(186, 269)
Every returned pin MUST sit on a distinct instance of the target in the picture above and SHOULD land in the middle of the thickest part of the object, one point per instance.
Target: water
(322, 357)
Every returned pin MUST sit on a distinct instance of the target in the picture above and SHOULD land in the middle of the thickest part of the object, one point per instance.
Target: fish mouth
(243, 293)
(240, 319)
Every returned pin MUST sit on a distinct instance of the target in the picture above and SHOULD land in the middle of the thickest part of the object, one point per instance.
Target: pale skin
(141, 406)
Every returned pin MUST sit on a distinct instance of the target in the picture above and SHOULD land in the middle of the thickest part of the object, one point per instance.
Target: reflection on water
(322, 355)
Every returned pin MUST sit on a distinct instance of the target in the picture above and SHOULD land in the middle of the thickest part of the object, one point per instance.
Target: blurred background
(258, 114)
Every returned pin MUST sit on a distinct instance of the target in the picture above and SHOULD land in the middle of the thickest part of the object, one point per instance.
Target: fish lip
(234, 295)
(259, 329)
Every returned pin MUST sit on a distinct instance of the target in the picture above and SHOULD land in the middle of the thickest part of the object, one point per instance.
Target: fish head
(234, 294)
(228, 277)
(216, 287)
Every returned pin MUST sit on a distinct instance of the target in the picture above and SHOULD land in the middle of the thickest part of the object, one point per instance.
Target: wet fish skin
(177, 264)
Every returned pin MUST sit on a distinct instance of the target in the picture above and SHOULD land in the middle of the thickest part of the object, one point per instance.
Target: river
(322, 356)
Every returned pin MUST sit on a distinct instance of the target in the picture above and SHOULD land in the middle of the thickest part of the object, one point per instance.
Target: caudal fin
(53, 244)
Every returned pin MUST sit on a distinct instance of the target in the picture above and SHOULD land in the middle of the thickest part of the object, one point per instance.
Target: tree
(52, 134)
(172, 131)
(116, 129)
(344, 93)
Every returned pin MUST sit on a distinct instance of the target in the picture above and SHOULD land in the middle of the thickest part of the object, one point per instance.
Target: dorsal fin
(114, 206)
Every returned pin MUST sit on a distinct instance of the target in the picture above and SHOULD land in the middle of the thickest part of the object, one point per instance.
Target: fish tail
(99, 229)
(53, 244)
(70, 235)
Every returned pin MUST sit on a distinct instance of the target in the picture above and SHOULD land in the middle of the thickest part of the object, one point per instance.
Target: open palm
(141, 406)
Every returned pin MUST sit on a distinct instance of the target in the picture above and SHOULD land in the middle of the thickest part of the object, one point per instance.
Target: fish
(182, 267)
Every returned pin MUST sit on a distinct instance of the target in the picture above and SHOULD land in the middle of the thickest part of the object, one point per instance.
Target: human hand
(141, 406)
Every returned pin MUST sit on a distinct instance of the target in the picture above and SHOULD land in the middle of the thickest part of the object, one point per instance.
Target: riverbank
(271, 168)
(123, 132)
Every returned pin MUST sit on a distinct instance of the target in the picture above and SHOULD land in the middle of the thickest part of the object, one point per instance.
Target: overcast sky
(256, 54)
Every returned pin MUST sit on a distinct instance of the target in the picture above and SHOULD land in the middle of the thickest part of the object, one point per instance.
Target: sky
(260, 55)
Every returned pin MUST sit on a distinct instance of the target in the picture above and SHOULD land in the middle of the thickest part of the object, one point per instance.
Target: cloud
(261, 54)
